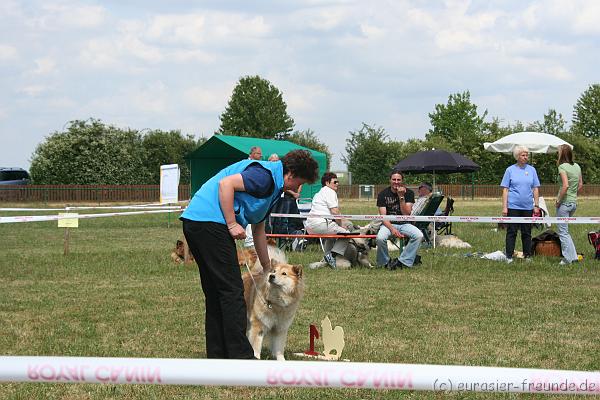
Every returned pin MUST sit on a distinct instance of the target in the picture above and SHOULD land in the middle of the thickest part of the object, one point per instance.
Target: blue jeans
(566, 242)
(407, 257)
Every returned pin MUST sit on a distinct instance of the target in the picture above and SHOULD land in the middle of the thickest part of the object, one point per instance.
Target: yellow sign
(70, 220)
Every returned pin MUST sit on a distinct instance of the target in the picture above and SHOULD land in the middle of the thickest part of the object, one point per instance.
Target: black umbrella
(436, 161)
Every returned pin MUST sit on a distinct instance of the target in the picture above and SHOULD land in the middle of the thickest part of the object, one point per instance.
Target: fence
(85, 193)
(151, 193)
(468, 191)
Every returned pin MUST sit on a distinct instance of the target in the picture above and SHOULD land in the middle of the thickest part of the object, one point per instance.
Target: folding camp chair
(280, 225)
(445, 228)
(430, 208)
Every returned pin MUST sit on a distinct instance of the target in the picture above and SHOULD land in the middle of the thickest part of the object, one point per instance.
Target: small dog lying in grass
(356, 254)
(178, 253)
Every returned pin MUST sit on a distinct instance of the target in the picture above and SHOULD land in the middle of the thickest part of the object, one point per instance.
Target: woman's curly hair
(301, 164)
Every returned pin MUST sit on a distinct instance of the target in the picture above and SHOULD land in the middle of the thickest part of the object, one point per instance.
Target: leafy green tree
(586, 153)
(90, 153)
(308, 139)
(553, 123)
(457, 122)
(457, 126)
(369, 155)
(586, 113)
(256, 109)
(167, 148)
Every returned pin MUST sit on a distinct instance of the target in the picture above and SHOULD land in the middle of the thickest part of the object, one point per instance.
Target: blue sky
(173, 65)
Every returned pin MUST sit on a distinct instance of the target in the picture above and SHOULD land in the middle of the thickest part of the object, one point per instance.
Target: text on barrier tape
(453, 218)
(296, 374)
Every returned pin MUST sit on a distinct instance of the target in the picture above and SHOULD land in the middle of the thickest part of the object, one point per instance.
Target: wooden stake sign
(314, 333)
(72, 221)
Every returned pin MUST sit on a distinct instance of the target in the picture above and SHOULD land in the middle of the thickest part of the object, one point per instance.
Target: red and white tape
(358, 217)
(40, 218)
(441, 218)
(296, 374)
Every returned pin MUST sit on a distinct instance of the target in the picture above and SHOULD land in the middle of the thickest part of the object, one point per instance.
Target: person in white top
(325, 202)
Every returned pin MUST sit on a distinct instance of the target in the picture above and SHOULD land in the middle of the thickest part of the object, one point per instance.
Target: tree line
(92, 152)
(458, 126)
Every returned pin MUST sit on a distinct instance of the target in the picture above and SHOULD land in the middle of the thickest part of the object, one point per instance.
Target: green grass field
(118, 294)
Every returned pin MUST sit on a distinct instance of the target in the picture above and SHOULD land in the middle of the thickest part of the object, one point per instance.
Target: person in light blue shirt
(520, 198)
(238, 195)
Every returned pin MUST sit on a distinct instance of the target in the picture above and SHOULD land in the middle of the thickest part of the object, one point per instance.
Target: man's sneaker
(564, 262)
(417, 260)
(509, 260)
(394, 264)
(330, 260)
(302, 244)
(528, 259)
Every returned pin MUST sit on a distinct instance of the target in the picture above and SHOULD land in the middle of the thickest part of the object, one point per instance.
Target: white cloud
(34, 90)
(337, 62)
(371, 31)
(304, 97)
(586, 18)
(7, 53)
(177, 28)
(208, 99)
(326, 18)
(153, 98)
(197, 28)
(66, 15)
(131, 45)
(100, 53)
(199, 56)
(44, 66)
(458, 40)
(63, 102)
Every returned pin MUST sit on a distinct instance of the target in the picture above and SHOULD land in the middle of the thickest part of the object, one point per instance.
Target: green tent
(220, 151)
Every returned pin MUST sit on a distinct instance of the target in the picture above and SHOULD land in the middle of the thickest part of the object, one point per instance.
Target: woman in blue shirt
(520, 197)
(240, 194)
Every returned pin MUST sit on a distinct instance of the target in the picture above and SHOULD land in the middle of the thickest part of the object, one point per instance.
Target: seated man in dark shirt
(397, 200)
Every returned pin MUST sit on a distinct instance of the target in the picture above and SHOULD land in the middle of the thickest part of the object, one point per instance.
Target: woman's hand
(236, 231)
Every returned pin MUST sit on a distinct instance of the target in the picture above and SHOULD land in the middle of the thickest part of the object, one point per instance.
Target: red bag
(594, 239)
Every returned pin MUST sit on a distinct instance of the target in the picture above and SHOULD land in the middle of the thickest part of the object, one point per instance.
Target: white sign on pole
(169, 183)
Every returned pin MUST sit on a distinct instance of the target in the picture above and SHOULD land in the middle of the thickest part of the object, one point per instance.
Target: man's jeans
(407, 257)
(566, 242)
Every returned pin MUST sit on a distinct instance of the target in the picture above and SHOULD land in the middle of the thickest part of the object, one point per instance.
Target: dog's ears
(297, 270)
(179, 243)
(274, 263)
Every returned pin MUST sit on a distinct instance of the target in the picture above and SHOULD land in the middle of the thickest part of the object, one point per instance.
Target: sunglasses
(336, 182)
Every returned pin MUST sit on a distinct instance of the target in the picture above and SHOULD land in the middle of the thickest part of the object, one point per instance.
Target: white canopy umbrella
(536, 142)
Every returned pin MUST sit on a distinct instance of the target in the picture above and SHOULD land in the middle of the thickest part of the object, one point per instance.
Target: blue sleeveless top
(205, 205)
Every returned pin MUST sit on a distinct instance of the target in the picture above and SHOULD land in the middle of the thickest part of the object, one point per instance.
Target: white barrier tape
(296, 374)
(33, 209)
(441, 218)
(40, 218)
(133, 207)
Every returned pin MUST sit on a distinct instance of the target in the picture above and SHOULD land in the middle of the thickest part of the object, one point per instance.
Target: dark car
(14, 176)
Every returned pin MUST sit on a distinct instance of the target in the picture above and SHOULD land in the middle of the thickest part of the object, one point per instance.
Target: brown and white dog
(178, 253)
(272, 299)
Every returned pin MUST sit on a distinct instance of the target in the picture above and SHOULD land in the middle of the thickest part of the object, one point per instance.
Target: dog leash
(267, 303)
